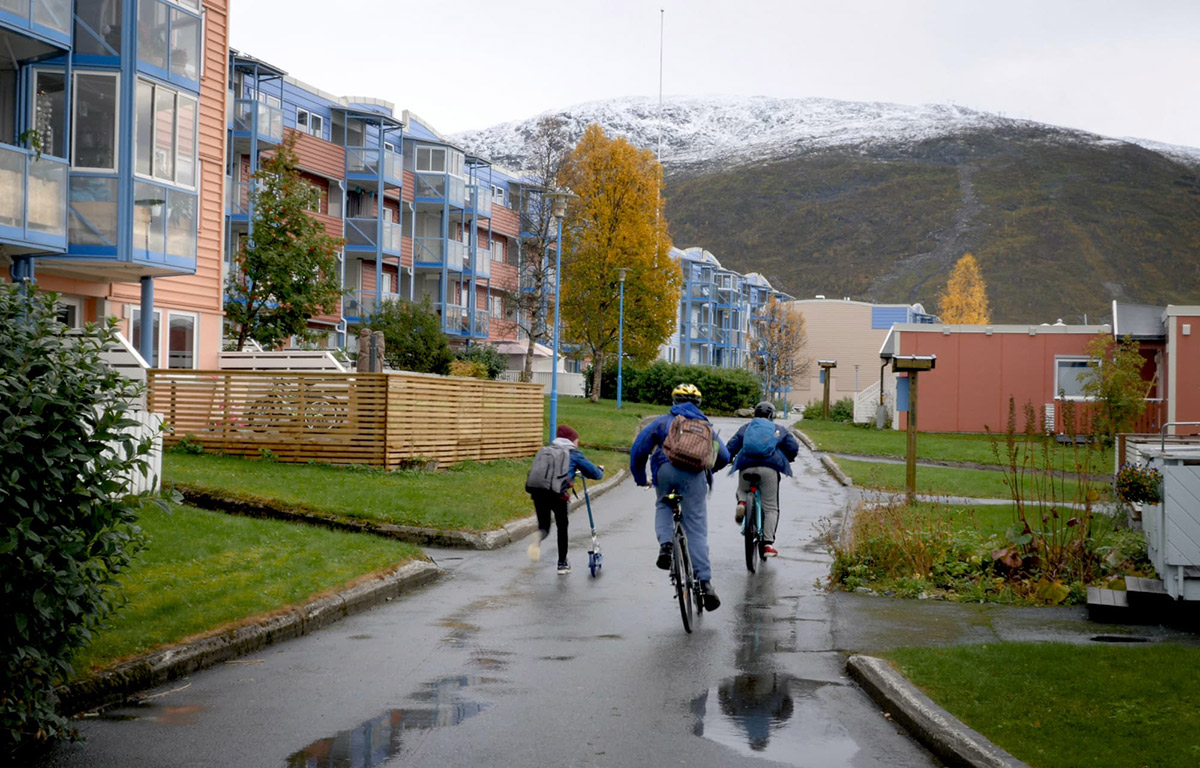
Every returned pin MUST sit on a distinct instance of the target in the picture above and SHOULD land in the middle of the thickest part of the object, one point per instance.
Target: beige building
(850, 332)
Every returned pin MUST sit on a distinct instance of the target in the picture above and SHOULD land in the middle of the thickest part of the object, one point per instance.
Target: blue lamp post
(620, 332)
(558, 206)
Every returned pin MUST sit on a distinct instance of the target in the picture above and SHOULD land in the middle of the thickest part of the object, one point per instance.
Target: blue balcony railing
(361, 304)
(164, 225)
(479, 200)
(251, 116)
(33, 198)
(482, 319)
(436, 187)
(361, 235)
(483, 263)
(237, 197)
(364, 161)
(50, 19)
(455, 318)
(434, 251)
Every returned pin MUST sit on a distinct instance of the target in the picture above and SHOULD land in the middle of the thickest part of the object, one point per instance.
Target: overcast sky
(1129, 68)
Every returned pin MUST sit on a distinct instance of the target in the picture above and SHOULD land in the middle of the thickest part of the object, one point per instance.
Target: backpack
(551, 470)
(760, 439)
(689, 444)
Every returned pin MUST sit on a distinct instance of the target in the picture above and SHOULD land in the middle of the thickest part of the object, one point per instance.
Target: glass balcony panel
(457, 192)
(360, 233)
(55, 14)
(431, 185)
(391, 237)
(12, 185)
(482, 318)
(480, 200)
(237, 197)
(428, 250)
(149, 219)
(181, 224)
(48, 196)
(483, 262)
(93, 211)
(393, 165)
(253, 115)
(360, 304)
(19, 8)
(456, 254)
(362, 161)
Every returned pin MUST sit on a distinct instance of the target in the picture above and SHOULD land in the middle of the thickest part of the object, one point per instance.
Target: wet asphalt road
(504, 662)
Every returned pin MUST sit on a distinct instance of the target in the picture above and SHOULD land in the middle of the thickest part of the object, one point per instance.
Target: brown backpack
(690, 445)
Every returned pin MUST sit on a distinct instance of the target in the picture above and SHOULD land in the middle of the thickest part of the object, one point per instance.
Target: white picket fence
(148, 425)
(569, 384)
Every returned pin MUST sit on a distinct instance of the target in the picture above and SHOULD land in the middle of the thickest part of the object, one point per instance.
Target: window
(181, 340)
(1069, 375)
(496, 307)
(165, 138)
(308, 122)
(431, 159)
(135, 332)
(98, 27)
(70, 311)
(94, 145)
(498, 250)
(168, 38)
(389, 146)
(49, 111)
(497, 195)
(314, 198)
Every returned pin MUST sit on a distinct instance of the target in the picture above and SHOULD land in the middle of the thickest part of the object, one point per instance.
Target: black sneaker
(664, 557)
(563, 567)
(711, 601)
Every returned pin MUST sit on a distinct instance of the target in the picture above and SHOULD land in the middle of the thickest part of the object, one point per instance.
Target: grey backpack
(551, 470)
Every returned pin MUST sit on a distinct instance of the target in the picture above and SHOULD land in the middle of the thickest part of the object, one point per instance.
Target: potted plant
(1137, 484)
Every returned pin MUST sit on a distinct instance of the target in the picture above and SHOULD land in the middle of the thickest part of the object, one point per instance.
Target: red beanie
(565, 431)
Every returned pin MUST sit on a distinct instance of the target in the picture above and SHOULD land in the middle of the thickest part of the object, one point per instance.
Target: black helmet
(764, 410)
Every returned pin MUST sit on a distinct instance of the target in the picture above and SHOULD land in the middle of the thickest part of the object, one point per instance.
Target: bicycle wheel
(750, 534)
(681, 572)
(762, 542)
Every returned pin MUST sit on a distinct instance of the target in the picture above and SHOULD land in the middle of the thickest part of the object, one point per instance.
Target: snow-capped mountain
(732, 131)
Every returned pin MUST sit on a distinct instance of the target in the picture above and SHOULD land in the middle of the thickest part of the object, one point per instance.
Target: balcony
(362, 236)
(436, 252)
(440, 187)
(237, 198)
(455, 319)
(700, 292)
(483, 264)
(49, 20)
(33, 199)
(359, 305)
(251, 117)
(482, 319)
(365, 163)
(479, 201)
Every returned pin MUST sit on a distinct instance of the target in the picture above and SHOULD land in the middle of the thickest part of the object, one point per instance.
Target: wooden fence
(377, 419)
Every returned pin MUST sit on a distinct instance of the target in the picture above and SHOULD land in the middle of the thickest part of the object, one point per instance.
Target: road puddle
(774, 716)
(378, 740)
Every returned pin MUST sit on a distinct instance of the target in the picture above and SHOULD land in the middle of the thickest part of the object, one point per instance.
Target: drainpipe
(146, 348)
(412, 269)
(342, 269)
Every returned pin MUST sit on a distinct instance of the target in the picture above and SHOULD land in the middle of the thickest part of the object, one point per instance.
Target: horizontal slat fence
(377, 419)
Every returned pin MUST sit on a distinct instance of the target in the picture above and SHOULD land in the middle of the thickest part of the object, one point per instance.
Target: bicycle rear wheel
(750, 534)
(681, 572)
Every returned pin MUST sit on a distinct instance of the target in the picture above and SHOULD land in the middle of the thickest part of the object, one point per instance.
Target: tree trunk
(527, 371)
(597, 375)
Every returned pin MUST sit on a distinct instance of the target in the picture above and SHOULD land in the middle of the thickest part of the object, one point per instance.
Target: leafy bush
(468, 368)
(491, 360)
(841, 410)
(724, 389)
(1139, 485)
(66, 526)
(413, 338)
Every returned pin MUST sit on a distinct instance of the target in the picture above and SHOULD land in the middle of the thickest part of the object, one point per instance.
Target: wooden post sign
(912, 365)
(826, 367)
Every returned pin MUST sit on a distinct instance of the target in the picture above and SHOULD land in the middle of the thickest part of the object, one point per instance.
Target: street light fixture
(558, 206)
(620, 333)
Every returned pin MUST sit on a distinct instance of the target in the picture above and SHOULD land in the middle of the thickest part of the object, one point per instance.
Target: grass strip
(838, 437)
(471, 496)
(1062, 706)
(945, 481)
(203, 570)
(602, 423)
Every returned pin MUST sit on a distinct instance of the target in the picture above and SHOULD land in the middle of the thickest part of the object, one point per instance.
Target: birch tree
(782, 339)
(965, 302)
(617, 222)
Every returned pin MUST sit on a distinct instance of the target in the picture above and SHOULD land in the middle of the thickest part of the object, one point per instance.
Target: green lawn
(1062, 706)
(943, 481)
(202, 570)
(836, 437)
(471, 496)
(601, 423)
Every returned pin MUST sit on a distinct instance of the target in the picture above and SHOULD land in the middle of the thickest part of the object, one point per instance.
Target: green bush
(469, 369)
(66, 526)
(413, 337)
(491, 360)
(724, 390)
(840, 410)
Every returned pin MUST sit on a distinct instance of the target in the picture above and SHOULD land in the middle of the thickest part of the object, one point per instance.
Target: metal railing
(251, 115)
(33, 196)
(362, 234)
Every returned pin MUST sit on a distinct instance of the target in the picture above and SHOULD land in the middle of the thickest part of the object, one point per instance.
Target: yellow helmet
(686, 393)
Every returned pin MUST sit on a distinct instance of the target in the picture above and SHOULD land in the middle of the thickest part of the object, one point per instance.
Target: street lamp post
(620, 333)
(558, 204)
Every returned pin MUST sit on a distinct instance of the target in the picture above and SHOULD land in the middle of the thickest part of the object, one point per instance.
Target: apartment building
(719, 312)
(421, 219)
(112, 145)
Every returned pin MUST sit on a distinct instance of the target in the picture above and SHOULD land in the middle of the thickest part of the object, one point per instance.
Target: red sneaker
(770, 551)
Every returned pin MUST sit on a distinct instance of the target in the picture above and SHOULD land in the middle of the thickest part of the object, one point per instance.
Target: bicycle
(687, 587)
(752, 523)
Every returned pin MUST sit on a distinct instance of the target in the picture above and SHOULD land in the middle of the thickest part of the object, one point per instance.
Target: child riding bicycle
(769, 450)
(672, 468)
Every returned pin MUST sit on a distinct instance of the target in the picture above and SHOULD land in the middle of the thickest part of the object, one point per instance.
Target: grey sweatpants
(769, 492)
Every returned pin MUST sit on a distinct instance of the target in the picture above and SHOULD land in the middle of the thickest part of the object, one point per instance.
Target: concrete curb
(154, 669)
(430, 537)
(836, 471)
(936, 728)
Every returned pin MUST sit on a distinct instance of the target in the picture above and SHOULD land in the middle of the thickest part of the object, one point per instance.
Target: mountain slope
(877, 201)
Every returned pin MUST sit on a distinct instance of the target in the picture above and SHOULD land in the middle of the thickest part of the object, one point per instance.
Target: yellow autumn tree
(965, 302)
(616, 222)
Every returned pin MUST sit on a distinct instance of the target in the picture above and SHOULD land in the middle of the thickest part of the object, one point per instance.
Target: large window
(431, 159)
(165, 142)
(135, 332)
(49, 111)
(98, 27)
(181, 340)
(1069, 375)
(169, 37)
(95, 122)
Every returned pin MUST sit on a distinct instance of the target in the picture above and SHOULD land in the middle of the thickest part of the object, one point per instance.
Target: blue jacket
(780, 461)
(648, 444)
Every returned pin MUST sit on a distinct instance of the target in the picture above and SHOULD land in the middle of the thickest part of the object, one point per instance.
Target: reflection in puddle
(775, 716)
(150, 711)
(380, 739)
